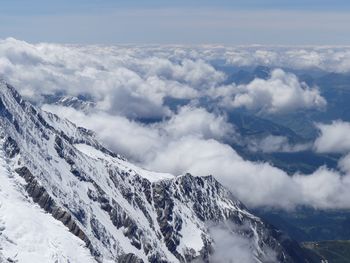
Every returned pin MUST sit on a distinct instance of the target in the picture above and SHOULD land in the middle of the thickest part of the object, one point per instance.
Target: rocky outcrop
(129, 258)
(11, 147)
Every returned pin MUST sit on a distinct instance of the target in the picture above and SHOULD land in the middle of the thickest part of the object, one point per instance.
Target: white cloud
(198, 121)
(282, 92)
(256, 184)
(131, 82)
(192, 146)
(196, 73)
(230, 246)
(327, 58)
(126, 137)
(344, 163)
(188, 143)
(141, 142)
(333, 138)
(273, 143)
(134, 80)
(119, 79)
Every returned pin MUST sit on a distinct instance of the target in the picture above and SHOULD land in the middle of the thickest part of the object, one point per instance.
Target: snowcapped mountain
(66, 198)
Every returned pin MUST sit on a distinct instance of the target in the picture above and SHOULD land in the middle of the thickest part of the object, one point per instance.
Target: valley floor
(335, 251)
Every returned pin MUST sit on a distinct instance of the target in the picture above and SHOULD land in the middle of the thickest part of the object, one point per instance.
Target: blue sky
(80, 6)
(177, 22)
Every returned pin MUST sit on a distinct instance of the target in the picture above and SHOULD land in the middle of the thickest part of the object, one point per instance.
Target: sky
(269, 22)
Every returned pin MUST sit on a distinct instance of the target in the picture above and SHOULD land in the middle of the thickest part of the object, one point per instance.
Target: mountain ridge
(121, 212)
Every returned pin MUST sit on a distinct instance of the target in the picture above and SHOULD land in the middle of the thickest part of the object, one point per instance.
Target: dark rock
(11, 148)
(129, 258)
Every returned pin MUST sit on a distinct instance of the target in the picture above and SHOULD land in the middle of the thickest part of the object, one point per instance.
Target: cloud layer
(134, 81)
(190, 141)
(130, 83)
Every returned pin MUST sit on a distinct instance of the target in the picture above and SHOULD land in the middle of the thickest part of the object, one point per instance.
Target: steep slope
(26, 230)
(121, 212)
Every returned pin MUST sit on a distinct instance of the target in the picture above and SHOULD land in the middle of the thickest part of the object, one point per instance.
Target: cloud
(230, 246)
(344, 163)
(141, 142)
(282, 92)
(192, 141)
(333, 137)
(128, 83)
(256, 184)
(127, 137)
(198, 121)
(273, 143)
(134, 81)
(196, 149)
(118, 79)
(326, 58)
(196, 73)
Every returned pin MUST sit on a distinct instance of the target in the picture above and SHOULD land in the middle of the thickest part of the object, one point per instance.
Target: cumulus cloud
(282, 92)
(198, 121)
(141, 142)
(333, 137)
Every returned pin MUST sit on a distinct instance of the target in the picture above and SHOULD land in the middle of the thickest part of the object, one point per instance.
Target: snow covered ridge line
(122, 212)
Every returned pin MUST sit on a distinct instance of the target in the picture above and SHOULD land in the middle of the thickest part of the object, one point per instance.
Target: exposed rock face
(130, 258)
(123, 213)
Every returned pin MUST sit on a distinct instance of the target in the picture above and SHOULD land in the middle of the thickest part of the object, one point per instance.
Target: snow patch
(129, 167)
